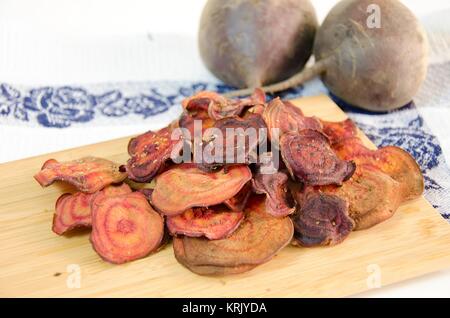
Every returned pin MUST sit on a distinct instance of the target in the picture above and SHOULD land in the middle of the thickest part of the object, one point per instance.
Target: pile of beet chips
(290, 178)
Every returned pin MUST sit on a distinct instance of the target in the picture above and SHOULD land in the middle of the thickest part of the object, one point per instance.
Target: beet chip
(278, 201)
(309, 157)
(394, 161)
(207, 270)
(185, 186)
(321, 220)
(287, 118)
(340, 130)
(249, 133)
(256, 241)
(88, 174)
(74, 210)
(373, 196)
(195, 109)
(149, 153)
(125, 227)
(214, 223)
(238, 202)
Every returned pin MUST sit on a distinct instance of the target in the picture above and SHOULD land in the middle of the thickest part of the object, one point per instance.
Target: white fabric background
(57, 42)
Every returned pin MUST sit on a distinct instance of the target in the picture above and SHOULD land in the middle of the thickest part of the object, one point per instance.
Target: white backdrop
(57, 42)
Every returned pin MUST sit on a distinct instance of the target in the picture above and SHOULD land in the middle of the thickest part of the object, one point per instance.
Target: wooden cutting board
(35, 262)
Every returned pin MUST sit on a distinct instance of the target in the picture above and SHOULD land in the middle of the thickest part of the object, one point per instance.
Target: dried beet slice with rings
(278, 200)
(74, 210)
(283, 116)
(322, 219)
(185, 186)
(207, 270)
(309, 157)
(394, 161)
(373, 196)
(339, 130)
(241, 147)
(259, 237)
(238, 202)
(214, 223)
(88, 174)
(125, 227)
(149, 153)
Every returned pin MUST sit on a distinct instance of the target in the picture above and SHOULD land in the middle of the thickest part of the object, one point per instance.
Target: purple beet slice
(249, 133)
(309, 157)
(322, 219)
(149, 152)
(274, 186)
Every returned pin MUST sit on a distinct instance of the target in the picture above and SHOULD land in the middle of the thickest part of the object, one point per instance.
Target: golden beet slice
(259, 237)
(322, 219)
(207, 270)
(394, 161)
(373, 196)
(274, 186)
(74, 210)
(214, 223)
(88, 174)
(125, 227)
(309, 157)
(248, 134)
(287, 118)
(339, 130)
(149, 152)
(238, 202)
(185, 186)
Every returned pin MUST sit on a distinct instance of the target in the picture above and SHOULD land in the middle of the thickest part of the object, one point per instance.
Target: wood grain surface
(35, 262)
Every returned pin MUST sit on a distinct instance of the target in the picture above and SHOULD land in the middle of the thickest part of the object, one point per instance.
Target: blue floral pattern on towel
(60, 107)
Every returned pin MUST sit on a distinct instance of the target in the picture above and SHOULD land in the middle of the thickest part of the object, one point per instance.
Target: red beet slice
(88, 174)
(185, 186)
(196, 109)
(322, 219)
(238, 202)
(340, 130)
(74, 210)
(287, 118)
(125, 227)
(149, 152)
(373, 196)
(259, 237)
(394, 161)
(308, 156)
(274, 186)
(207, 270)
(214, 223)
(243, 146)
